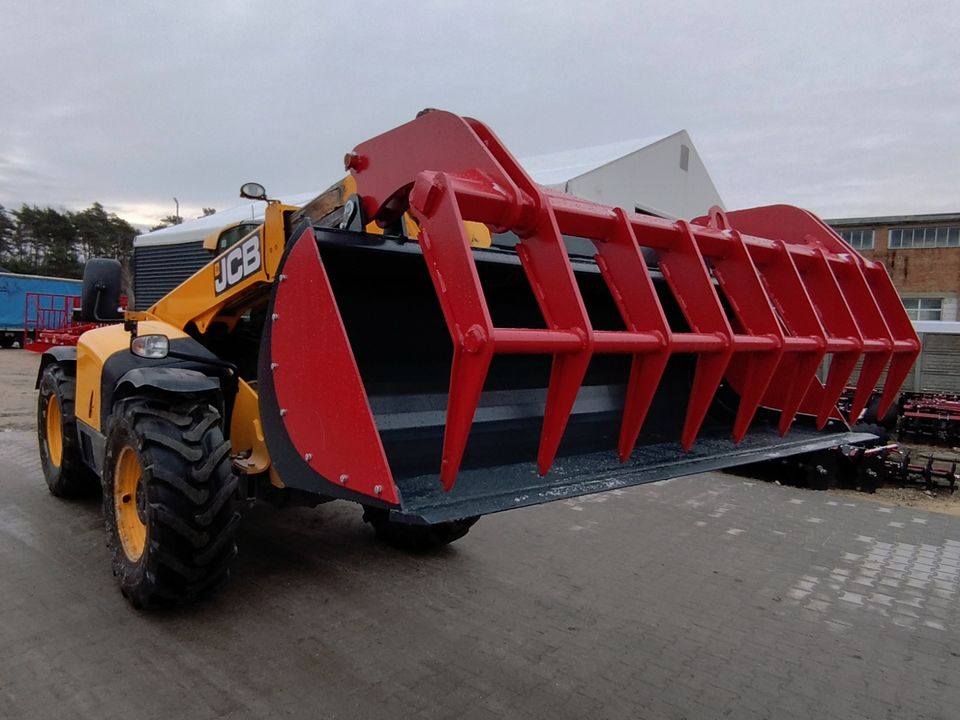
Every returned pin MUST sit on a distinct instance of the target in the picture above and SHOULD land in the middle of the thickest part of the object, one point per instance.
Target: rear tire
(6, 341)
(64, 470)
(168, 500)
(820, 470)
(871, 417)
(416, 537)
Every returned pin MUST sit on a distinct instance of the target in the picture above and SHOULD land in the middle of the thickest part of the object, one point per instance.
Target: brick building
(922, 254)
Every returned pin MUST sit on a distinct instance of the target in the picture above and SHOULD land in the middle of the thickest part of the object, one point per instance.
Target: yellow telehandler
(437, 338)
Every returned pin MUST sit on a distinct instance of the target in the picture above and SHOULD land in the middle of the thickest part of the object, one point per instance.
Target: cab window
(231, 236)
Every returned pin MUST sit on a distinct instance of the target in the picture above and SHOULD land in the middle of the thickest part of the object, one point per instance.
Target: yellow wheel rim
(54, 431)
(129, 501)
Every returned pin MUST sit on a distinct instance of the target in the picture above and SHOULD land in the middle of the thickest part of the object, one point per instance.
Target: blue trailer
(26, 300)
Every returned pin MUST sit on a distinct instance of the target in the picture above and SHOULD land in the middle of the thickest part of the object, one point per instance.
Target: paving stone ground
(703, 597)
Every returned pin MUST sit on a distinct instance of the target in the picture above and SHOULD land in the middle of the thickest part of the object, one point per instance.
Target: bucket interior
(403, 350)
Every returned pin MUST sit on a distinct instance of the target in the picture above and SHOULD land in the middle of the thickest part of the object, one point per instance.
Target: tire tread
(73, 479)
(191, 488)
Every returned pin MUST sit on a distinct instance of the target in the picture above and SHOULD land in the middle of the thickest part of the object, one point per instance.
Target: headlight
(153, 347)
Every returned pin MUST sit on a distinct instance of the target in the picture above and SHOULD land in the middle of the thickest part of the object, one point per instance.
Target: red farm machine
(429, 339)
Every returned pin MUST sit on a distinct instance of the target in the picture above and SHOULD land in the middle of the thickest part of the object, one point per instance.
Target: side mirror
(253, 191)
(100, 292)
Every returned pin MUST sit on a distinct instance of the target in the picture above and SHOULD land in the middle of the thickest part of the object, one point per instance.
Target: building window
(931, 237)
(924, 308)
(858, 239)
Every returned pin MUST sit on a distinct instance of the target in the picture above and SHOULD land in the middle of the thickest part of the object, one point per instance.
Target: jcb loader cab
(437, 338)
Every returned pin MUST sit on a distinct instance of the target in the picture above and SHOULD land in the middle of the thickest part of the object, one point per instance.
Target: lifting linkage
(796, 291)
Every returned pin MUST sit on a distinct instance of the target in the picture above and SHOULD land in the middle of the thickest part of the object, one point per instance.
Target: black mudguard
(124, 373)
(66, 354)
(166, 379)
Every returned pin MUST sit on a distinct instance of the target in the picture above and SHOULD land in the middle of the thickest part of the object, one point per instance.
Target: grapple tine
(544, 259)
(566, 376)
(706, 380)
(899, 368)
(624, 269)
(645, 374)
(842, 366)
(543, 255)
(467, 375)
(870, 373)
(458, 288)
(740, 280)
(686, 273)
(803, 372)
(761, 367)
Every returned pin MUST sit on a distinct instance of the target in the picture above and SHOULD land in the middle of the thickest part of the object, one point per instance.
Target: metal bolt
(274, 366)
(343, 479)
(283, 411)
(474, 339)
(281, 277)
(378, 489)
(308, 456)
(274, 317)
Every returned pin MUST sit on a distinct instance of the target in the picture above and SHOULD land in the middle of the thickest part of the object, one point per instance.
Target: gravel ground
(938, 500)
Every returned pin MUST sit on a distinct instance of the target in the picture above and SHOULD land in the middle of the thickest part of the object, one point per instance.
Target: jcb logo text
(241, 261)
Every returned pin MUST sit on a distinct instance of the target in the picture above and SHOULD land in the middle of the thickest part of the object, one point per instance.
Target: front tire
(168, 500)
(64, 470)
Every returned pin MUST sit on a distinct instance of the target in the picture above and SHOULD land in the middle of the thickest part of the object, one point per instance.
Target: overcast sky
(846, 108)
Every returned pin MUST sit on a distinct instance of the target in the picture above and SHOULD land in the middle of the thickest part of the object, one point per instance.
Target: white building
(664, 177)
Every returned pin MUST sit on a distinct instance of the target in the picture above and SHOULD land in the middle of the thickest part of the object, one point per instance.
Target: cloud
(839, 107)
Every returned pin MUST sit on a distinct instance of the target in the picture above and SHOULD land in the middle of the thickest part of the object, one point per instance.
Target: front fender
(181, 381)
(66, 354)
(166, 379)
